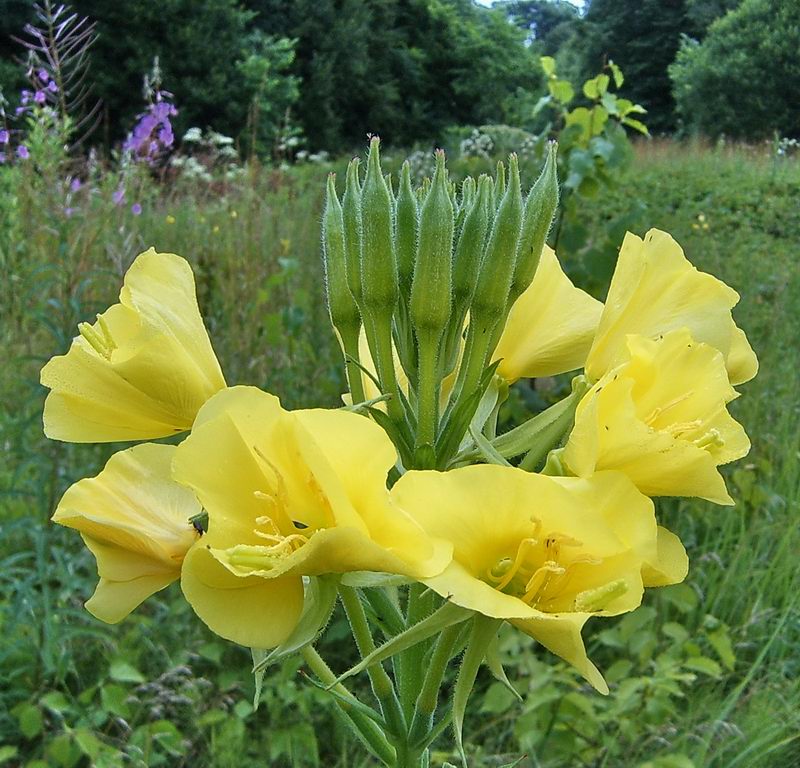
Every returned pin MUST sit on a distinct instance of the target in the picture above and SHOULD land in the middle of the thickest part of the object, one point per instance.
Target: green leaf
(30, 720)
(55, 701)
(123, 672)
(484, 630)
(561, 90)
(319, 601)
(7, 753)
(114, 700)
(496, 666)
(616, 73)
(596, 87)
(548, 65)
(704, 665)
(88, 743)
(448, 615)
(721, 642)
(636, 125)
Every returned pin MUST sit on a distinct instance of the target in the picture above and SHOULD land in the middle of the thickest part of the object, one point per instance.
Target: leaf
(561, 90)
(319, 600)
(486, 450)
(704, 665)
(548, 65)
(30, 720)
(596, 87)
(123, 672)
(495, 665)
(7, 753)
(616, 73)
(448, 615)
(484, 630)
(721, 642)
(636, 125)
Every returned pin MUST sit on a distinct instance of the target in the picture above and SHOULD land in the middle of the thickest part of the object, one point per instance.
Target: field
(704, 674)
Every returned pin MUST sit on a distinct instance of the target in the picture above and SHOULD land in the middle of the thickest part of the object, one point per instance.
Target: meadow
(703, 674)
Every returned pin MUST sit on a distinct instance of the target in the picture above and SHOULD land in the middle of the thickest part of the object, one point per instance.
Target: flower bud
(407, 230)
(351, 215)
(540, 208)
(379, 282)
(341, 304)
(497, 266)
(470, 244)
(500, 183)
(430, 289)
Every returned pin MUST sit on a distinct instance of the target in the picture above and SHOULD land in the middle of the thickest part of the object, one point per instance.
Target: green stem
(428, 387)
(369, 731)
(410, 662)
(379, 336)
(382, 685)
(428, 698)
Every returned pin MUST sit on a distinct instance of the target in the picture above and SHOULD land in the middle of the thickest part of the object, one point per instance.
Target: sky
(579, 3)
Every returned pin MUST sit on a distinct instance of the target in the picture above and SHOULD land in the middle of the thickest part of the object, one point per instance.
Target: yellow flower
(655, 289)
(288, 494)
(550, 327)
(143, 369)
(544, 553)
(135, 521)
(660, 418)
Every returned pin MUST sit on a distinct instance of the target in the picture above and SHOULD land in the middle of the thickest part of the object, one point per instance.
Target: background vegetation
(704, 674)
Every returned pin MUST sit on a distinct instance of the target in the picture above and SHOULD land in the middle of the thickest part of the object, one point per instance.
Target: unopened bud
(407, 229)
(341, 304)
(497, 266)
(469, 250)
(430, 290)
(540, 208)
(351, 215)
(378, 266)
(500, 182)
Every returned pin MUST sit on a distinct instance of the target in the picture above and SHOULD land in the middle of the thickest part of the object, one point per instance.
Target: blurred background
(207, 128)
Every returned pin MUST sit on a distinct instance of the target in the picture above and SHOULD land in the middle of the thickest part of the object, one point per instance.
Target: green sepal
(318, 604)
(484, 630)
(446, 616)
(495, 666)
(351, 217)
(488, 453)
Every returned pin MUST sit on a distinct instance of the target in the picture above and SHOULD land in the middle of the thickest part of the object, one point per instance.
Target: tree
(642, 36)
(743, 80)
(548, 23)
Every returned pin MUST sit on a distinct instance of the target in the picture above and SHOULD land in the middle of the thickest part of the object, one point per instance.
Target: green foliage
(743, 80)
(547, 22)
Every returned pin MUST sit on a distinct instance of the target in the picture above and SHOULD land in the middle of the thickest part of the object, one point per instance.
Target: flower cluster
(440, 301)
(152, 135)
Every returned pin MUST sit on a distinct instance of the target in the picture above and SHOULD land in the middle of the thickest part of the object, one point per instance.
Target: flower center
(101, 341)
(538, 572)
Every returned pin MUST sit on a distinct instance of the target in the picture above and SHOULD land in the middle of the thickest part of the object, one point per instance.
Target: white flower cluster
(204, 156)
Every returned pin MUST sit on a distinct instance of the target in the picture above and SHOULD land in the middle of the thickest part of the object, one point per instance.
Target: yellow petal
(550, 327)
(742, 362)
(661, 419)
(561, 635)
(251, 611)
(654, 290)
(143, 369)
(135, 520)
(671, 564)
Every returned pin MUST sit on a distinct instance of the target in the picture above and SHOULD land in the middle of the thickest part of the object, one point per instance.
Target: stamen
(656, 412)
(102, 343)
(592, 600)
(711, 439)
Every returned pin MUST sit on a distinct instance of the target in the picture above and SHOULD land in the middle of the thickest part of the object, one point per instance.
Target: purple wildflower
(69, 211)
(25, 97)
(44, 75)
(40, 97)
(3, 136)
(75, 184)
(2, 158)
(153, 131)
(119, 196)
(136, 209)
(52, 87)
(22, 152)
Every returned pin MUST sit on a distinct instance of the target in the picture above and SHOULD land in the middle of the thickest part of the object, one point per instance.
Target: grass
(702, 675)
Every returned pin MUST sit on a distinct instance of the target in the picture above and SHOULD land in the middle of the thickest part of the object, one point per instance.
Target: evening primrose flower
(289, 494)
(143, 369)
(544, 553)
(655, 289)
(660, 418)
(136, 522)
(550, 327)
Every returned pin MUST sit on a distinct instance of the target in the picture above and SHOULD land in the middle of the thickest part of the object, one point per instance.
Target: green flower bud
(430, 289)
(470, 243)
(341, 304)
(407, 230)
(351, 214)
(468, 189)
(379, 283)
(540, 208)
(497, 266)
(500, 182)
